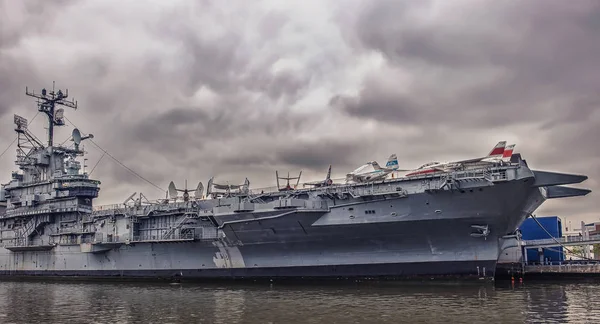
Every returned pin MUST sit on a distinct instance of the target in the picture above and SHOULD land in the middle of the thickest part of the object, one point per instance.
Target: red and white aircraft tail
(508, 152)
(498, 150)
(500, 153)
(495, 154)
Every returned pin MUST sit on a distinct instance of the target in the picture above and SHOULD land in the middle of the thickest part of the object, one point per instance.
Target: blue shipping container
(531, 230)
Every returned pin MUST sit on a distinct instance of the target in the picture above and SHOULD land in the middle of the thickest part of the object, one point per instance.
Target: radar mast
(47, 103)
(40, 162)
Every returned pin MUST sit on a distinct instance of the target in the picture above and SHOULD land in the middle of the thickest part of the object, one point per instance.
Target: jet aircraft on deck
(371, 171)
(321, 183)
(499, 154)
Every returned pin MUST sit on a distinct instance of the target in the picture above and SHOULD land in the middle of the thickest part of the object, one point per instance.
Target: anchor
(482, 231)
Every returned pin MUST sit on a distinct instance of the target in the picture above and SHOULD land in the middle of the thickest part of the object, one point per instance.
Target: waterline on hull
(387, 271)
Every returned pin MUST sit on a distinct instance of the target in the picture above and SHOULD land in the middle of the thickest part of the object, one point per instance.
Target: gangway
(562, 241)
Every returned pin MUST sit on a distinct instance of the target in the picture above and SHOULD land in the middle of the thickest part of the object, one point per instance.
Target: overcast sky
(185, 89)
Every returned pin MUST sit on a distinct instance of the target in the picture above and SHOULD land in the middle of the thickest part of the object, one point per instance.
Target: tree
(577, 250)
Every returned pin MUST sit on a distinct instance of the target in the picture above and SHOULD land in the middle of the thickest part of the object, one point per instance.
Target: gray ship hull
(387, 257)
(429, 236)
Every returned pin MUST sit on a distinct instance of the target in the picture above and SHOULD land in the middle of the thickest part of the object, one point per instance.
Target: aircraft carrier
(450, 223)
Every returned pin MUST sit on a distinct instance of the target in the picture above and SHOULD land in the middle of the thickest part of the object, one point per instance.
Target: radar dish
(76, 136)
(172, 191)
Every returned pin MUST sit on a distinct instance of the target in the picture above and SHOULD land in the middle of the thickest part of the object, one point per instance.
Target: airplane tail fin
(497, 151)
(392, 162)
(246, 186)
(375, 165)
(328, 173)
(508, 151)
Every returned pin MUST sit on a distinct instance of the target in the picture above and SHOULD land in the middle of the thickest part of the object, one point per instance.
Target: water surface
(92, 302)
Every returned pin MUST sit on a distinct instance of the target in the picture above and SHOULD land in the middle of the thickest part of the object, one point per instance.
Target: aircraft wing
(353, 177)
(447, 166)
(497, 151)
(313, 183)
(224, 187)
(471, 160)
(376, 165)
(438, 167)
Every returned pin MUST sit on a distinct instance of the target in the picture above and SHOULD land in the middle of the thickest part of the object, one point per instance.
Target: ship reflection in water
(57, 302)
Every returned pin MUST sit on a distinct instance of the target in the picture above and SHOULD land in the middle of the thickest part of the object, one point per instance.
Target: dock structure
(562, 269)
(568, 270)
(584, 239)
(544, 256)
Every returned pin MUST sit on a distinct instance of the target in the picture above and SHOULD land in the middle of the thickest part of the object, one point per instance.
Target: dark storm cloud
(380, 103)
(225, 121)
(530, 57)
(19, 19)
(317, 155)
(211, 61)
(11, 83)
(284, 83)
(308, 155)
(223, 62)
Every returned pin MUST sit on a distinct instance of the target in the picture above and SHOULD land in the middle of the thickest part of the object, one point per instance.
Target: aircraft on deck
(243, 188)
(287, 187)
(499, 154)
(371, 171)
(172, 192)
(321, 183)
(504, 158)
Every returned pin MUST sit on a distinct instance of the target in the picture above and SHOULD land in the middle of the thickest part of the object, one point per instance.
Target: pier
(565, 270)
(568, 269)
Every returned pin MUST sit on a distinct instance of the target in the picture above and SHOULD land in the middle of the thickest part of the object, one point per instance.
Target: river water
(92, 302)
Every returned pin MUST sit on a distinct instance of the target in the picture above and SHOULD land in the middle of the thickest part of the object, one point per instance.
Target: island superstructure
(454, 221)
